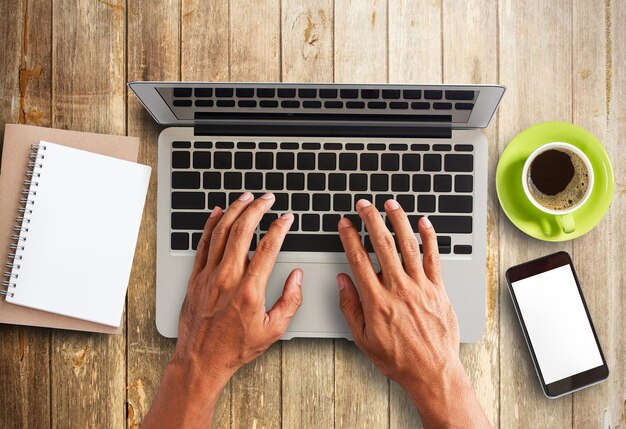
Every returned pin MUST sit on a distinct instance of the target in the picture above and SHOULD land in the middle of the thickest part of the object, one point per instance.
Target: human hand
(402, 318)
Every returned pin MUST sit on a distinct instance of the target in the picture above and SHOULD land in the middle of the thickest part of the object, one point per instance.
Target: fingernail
(362, 203)
(216, 211)
(245, 196)
(267, 196)
(341, 282)
(392, 204)
(287, 215)
(427, 223)
(299, 277)
(344, 222)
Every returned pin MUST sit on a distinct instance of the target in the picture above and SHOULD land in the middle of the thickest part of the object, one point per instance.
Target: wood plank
(88, 81)
(204, 57)
(153, 54)
(308, 364)
(474, 60)
(415, 56)
(255, 56)
(361, 391)
(535, 40)
(25, 98)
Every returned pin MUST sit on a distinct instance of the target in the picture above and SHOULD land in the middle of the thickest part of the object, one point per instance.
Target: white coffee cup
(566, 220)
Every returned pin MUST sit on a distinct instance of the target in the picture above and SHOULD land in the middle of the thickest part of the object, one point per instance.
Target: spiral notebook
(75, 234)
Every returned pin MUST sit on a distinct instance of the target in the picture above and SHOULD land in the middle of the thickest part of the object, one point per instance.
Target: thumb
(351, 305)
(286, 306)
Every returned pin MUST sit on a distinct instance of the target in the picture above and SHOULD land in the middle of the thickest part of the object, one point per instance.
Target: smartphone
(556, 323)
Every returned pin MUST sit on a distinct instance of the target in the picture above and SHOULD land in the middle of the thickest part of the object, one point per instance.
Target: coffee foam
(572, 194)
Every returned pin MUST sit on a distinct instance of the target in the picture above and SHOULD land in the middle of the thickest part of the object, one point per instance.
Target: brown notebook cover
(16, 148)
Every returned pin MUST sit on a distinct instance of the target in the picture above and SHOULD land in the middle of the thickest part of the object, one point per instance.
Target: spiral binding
(18, 239)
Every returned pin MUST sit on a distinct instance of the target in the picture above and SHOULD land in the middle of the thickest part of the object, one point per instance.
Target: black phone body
(556, 324)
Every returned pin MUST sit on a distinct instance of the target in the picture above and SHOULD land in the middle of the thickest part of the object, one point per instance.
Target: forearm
(186, 397)
(450, 402)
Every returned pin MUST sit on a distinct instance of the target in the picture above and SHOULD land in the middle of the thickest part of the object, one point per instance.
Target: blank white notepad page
(81, 238)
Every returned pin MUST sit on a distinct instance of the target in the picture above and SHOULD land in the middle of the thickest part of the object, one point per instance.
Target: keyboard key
(442, 183)
(307, 93)
(290, 104)
(268, 145)
(310, 222)
(444, 250)
(274, 182)
(286, 92)
(367, 197)
(432, 94)
(380, 201)
(411, 162)
(311, 104)
(225, 103)
(463, 249)
(376, 146)
(188, 200)
(203, 145)
(216, 199)
(225, 145)
(179, 241)
(281, 202)
(289, 145)
(329, 222)
(195, 240)
(413, 221)
(420, 105)
(182, 92)
(295, 181)
(459, 95)
(246, 103)
(306, 161)
(421, 183)
(333, 104)
(455, 204)
(267, 220)
(337, 182)
(442, 147)
(243, 160)
(342, 202)
(182, 103)
(426, 203)
(349, 93)
(432, 162)
(284, 161)
(400, 182)
(246, 145)
(327, 161)
(391, 94)
(181, 145)
(223, 92)
(295, 224)
(390, 162)
(464, 147)
(358, 182)
(211, 180)
(412, 94)
(332, 146)
(311, 146)
(316, 181)
(442, 106)
(189, 220)
(232, 180)
(185, 180)
(222, 160)
(202, 160)
(451, 224)
(398, 105)
(369, 93)
(463, 183)
(321, 202)
(355, 105)
(398, 146)
(328, 93)
(254, 181)
(417, 147)
(244, 92)
(264, 161)
(376, 105)
(356, 221)
(233, 196)
(312, 243)
(407, 202)
(347, 161)
(204, 103)
(265, 92)
(180, 159)
(355, 146)
(379, 182)
(268, 103)
(369, 162)
(300, 202)
(455, 162)
(464, 106)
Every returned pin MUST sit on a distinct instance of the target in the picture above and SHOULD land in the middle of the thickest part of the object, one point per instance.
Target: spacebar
(312, 243)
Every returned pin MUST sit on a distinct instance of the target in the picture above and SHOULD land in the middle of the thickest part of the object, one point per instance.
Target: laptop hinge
(325, 130)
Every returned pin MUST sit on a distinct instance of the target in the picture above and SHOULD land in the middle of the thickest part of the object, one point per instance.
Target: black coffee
(558, 179)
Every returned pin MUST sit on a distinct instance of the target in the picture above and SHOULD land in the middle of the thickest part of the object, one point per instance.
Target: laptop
(319, 148)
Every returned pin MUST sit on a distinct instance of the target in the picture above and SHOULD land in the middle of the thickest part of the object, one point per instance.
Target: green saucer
(527, 217)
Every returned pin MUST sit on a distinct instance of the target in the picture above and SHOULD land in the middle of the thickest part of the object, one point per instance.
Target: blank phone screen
(557, 324)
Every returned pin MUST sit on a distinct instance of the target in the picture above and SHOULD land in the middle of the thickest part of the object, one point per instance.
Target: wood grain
(361, 391)
(529, 100)
(88, 378)
(255, 56)
(153, 54)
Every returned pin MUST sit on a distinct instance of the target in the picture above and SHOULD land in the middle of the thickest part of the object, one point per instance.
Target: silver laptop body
(319, 148)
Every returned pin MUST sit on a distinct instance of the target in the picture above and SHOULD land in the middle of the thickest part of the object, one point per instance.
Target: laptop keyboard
(320, 182)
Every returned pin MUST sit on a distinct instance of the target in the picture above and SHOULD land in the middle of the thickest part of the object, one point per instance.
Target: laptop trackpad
(319, 315)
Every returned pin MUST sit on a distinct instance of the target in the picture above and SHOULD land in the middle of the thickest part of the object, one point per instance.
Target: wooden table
(66, 63)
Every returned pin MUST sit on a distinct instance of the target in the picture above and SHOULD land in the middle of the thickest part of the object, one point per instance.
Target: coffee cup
(558, 179)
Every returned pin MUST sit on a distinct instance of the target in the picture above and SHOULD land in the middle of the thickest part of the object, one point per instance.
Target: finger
(382, 240)
(220, 234)
(351, 306)
(238, 244)
(409, 247)
(283, 310)
(358, 258)
(264, 257)
(432, 261)
(203, 245)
